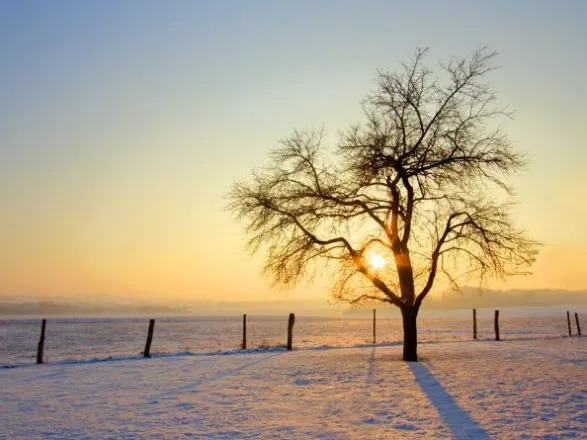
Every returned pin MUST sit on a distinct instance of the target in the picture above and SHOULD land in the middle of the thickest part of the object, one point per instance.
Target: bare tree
(415, 193)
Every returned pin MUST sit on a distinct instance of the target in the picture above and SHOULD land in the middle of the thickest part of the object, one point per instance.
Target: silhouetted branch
(411, 181)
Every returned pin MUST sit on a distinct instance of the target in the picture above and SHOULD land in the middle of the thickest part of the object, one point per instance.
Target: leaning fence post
(147, 352)
(474, 323)
(569, 323)
(290, 324)
(244, 345)
(41, 346)
(578, 326)
(496, 325)
(374, 326)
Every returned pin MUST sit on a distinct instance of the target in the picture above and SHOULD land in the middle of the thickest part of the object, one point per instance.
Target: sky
(124, 124)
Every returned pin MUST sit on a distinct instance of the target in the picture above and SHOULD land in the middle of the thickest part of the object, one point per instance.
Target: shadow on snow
(458, 421)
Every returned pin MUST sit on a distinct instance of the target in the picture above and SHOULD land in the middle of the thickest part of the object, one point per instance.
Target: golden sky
(123, 125)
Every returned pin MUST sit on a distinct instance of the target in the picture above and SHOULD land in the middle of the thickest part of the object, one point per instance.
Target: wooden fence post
(147, 352)
(244, 346)
(290, 324)
(41, 346)
(569, 323)
(578, 326)
(374, 326)
(496, 325)
(474, 323)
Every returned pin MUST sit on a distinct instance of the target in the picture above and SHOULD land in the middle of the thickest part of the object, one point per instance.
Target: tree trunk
(409, 317)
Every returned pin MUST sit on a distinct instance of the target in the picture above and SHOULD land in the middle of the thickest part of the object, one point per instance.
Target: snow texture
(524, 389)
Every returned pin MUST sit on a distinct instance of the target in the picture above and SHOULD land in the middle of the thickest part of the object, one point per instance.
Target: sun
(376, 261)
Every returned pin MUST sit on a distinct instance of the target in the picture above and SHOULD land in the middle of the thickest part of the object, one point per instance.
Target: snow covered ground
(483, 389)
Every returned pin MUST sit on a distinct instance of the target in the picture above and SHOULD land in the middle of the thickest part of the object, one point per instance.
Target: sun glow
(376, 261)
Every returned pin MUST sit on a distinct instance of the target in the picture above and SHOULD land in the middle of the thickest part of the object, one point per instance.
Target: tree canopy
(422, 183)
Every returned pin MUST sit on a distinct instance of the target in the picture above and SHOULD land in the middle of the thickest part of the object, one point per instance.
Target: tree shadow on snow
(458, 421)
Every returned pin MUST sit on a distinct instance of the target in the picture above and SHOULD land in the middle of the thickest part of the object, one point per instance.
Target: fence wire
(81, 339)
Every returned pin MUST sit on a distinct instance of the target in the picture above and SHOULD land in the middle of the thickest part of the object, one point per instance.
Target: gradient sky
(123, 123)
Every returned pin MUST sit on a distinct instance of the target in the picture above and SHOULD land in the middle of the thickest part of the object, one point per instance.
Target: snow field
(508, 389)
